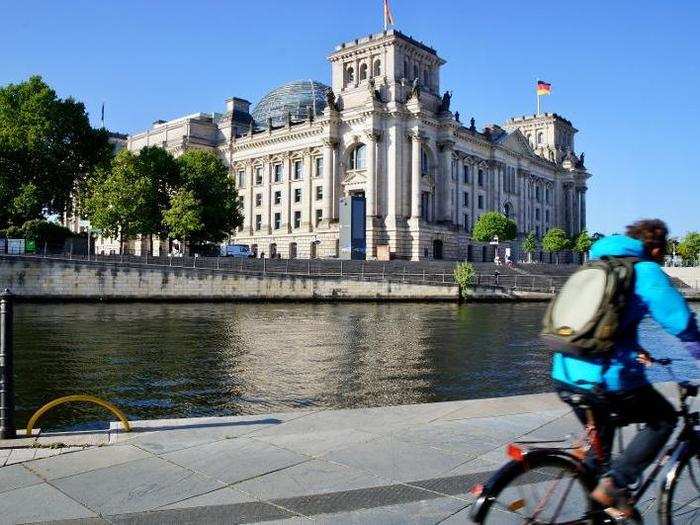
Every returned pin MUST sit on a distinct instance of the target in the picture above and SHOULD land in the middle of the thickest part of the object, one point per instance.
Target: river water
(186, 360)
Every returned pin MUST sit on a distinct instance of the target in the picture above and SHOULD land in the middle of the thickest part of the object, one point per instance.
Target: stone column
(417, 142)
(307, 200)
(328, 145)
(371, 174)
(443, 183)
(583, 209)
(250, 209)
(287, 196)
(267, 182)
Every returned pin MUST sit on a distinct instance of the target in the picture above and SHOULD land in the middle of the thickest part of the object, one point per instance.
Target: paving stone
(427, 512)
(397, 460)
(224, 496)
(135, 486)
(312, 477)
(318, 443)
(199, 432)
(234, 460)
(74, 438)
(500, 406)
(16, 476)
(86, 460)
(39, 503)
(20, 455)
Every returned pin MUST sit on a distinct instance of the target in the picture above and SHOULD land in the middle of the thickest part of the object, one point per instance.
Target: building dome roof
(293, 97)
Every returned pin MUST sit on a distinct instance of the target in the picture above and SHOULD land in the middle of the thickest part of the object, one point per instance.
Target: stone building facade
(385, 131)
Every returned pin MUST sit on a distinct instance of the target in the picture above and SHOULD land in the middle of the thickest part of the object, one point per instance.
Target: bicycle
(551, 485)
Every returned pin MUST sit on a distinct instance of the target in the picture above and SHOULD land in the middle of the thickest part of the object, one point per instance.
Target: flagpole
(537, 82)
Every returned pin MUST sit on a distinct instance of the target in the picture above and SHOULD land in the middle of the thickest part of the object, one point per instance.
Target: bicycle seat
(688, 389)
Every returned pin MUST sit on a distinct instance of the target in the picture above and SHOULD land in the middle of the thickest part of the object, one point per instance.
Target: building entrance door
(292, 250)
(437, 249)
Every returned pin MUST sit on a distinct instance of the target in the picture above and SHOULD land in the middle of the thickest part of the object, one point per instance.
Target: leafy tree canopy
(689, 248)
(583, 242)
(46, 147)
(205, 176)
(184, 218)
(464, 274)
(530, 243)
(555, 240)
(492, 224)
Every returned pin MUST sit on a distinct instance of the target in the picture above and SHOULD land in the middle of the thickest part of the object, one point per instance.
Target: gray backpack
(584, 317)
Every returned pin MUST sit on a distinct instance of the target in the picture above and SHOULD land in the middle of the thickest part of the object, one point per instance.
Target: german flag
(543, 88)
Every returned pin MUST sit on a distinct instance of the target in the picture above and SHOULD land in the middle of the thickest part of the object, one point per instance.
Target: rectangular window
(546, 216)
(537, 194)
(425, 205)
(481, 178)
(297, 219)
(258, 200)
(481, 202)
(278, 197)
(546, 195)
(278, 172)
(297, 194)
(298, 169)
(241, 179)
(319, 166)
(258, 176)
(537, 214)
(319, 217)
(278, 220)
(465, 199)
(465, 174)
(258, 222)
(319, 193)
(466, 222)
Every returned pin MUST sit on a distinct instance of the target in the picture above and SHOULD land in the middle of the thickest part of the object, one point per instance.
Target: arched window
(426, 78)
(406, 70)
(415, 71)
(508, 210)
(377, 70)
(349, 75)
(539, 137)
(424, 164)
(358, 157)
(363, 72)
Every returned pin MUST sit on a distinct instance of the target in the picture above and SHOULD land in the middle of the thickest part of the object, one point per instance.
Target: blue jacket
(653, 295)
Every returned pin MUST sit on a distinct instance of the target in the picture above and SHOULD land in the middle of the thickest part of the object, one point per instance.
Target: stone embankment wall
(47, 279)
(690, 275)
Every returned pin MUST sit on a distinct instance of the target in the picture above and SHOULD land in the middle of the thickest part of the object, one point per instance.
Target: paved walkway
(406, 465)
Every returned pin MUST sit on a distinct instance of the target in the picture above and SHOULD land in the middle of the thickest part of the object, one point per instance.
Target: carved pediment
(353, 178)
(517, 142)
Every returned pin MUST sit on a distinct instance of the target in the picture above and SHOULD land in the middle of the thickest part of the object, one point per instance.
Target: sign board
(30, 246)
(15, 246)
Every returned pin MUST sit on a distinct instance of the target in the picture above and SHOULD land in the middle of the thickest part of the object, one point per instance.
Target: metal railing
(434, 273)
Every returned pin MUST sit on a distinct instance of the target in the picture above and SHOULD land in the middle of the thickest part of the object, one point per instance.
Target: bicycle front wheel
(541, 490)
(680, 499)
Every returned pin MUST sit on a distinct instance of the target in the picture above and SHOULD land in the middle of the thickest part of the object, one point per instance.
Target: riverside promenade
(411, 464)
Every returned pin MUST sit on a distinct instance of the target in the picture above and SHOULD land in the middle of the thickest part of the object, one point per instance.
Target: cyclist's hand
(645, 358)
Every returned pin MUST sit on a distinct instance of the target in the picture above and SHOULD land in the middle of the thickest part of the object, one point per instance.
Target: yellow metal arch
(77, 398)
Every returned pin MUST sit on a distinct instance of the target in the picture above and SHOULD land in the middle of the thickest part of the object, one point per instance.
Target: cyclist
(620, 379)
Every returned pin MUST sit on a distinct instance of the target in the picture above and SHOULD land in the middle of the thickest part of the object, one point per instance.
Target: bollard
(7, 395)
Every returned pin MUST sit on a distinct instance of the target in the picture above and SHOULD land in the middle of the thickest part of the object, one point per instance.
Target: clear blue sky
(626, 73)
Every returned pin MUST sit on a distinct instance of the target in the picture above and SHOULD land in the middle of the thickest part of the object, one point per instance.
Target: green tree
(529, 245)
(205, 177)
(689, 248)
(184, 217)
(119, 201)
(47, 147)
(583, 243)
(554, 241)
(492, 224)
(45, 232)
(464, 274)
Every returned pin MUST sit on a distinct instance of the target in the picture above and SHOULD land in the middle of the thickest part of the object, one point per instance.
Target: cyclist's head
(653, 233)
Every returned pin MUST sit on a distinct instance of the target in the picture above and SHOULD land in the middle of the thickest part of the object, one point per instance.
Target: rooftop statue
(446, 100)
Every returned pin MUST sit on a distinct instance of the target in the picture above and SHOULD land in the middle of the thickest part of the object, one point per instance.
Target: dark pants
(644, 405)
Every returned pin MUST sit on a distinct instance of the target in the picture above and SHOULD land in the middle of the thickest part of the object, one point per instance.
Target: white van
(236, 250)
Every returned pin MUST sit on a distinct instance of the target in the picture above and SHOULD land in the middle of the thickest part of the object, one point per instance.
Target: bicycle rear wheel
(680, 500)
(540, 490)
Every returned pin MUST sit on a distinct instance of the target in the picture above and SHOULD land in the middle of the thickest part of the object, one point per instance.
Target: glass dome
(295, 98)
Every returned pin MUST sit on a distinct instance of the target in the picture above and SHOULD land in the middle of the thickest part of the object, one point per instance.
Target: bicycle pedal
(619, 517)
